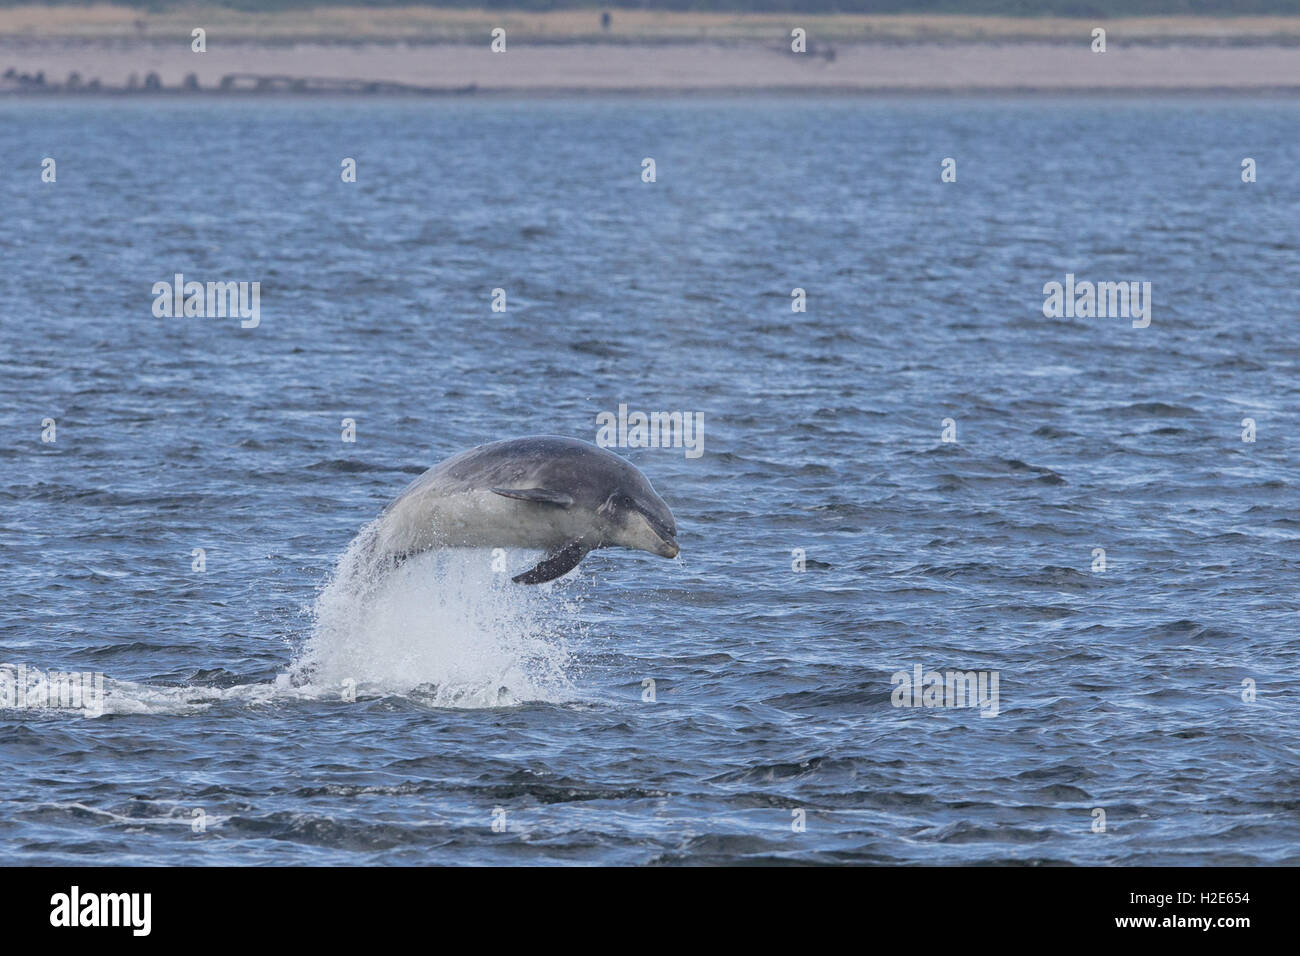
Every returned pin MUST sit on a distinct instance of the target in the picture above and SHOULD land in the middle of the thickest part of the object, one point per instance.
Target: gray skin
(566, 496)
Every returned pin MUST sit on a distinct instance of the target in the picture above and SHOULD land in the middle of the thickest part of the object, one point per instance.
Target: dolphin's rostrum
(559, 494)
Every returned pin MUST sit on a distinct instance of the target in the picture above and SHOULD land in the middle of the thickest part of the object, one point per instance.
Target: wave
(445, 629)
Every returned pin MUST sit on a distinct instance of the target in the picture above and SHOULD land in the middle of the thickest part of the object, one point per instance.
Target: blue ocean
(909, 468)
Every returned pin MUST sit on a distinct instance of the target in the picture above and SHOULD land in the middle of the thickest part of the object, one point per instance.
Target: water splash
(443, 628)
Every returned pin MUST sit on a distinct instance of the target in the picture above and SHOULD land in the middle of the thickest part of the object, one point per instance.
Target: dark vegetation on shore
(1012, 8)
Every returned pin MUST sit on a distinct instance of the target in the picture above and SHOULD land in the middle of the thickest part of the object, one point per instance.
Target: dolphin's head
(639, 519)
(605, 500)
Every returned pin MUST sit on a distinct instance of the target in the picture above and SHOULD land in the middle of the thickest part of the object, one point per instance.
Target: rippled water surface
(481, 701)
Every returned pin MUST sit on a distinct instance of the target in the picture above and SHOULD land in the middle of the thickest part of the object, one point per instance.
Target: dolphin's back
(536, 462)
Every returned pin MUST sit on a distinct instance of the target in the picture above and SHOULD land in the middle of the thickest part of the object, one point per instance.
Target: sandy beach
(427, 50)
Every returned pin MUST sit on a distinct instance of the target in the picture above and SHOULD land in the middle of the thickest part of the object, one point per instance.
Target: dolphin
(562, 495)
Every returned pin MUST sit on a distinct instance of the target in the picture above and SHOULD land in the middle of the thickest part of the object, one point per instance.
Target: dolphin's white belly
(425, 519)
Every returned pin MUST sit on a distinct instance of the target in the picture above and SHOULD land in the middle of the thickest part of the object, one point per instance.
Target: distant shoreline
(430, 24)
(109, 51)
(719, 93)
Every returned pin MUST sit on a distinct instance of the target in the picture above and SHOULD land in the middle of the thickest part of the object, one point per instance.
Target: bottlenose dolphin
(566, 496)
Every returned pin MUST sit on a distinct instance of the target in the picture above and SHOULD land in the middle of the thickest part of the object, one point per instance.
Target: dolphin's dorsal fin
(539, 495)
(554, 565)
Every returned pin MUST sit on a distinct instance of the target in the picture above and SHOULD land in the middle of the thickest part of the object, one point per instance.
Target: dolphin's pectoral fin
(554, 565)
(539, 495)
